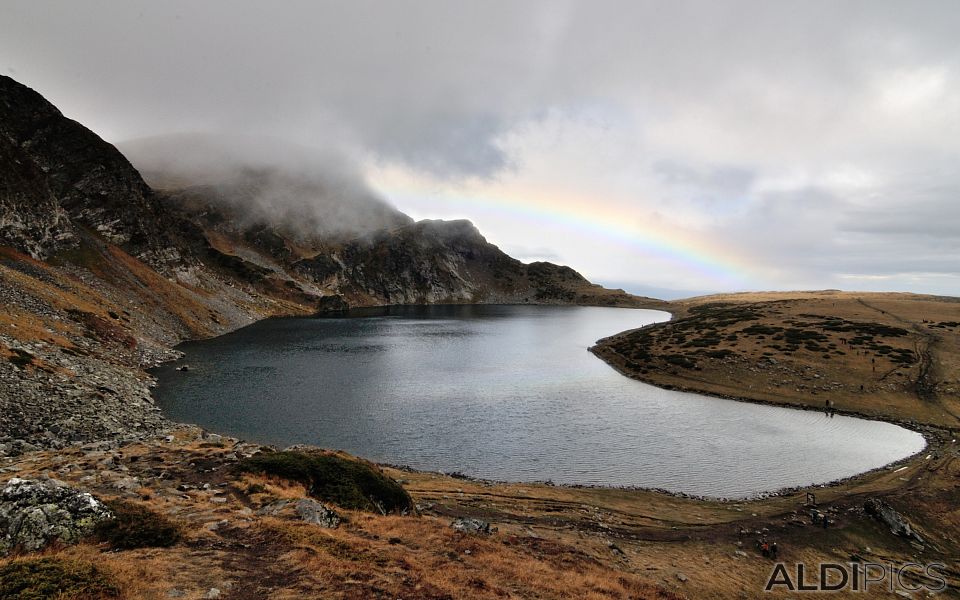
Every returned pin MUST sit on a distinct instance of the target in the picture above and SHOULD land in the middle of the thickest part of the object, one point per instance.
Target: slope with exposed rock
(101, 274)
(301, 226)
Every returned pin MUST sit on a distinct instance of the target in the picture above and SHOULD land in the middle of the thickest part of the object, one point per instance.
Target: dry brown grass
(889, 388)
(368, 556)
(423, 558)
(26, 327)
(67, 294)
(270, 486)
(552, 541)
(166, 295)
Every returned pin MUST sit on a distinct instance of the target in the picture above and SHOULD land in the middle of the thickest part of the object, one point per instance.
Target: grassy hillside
(895, 356)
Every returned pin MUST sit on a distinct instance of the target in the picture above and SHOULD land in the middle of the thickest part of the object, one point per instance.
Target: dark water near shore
(505, 392)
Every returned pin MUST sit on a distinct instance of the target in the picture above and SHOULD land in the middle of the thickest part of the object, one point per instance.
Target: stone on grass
(467, 525)
(884, 513)
(316, 513)
(306, 509)
(36, 513)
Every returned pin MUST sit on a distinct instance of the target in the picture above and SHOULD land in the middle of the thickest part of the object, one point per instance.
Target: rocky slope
(297, 228)
(101, 274)
(58, 178)
(190, 522)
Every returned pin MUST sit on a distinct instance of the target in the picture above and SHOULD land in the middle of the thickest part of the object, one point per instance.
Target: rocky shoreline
(186, 473)
(101, 275)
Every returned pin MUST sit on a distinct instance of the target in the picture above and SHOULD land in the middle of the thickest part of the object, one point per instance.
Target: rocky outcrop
(58, 175)
(30, 216)
(101, 275)
(332, 304)
(307, 510)
(287, 235)
(430, 262)
(316, 513)
(884, 513)
(37, 513)
(469, 525)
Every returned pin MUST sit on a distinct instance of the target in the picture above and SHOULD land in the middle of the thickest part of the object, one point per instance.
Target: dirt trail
(925, 385)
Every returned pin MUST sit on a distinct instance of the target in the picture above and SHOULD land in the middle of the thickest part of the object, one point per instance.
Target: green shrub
(680, 360)
(136, 526)
(346, 482)
(44, 578)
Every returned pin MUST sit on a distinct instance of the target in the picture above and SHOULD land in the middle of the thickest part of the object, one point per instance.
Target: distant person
(774, 550)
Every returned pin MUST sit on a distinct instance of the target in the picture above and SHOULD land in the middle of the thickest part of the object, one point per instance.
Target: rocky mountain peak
(57, 175)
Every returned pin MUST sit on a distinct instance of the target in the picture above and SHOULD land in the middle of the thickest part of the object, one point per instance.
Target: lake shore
(693, 548)
(704, 548)
(570, 538)
(402, 385)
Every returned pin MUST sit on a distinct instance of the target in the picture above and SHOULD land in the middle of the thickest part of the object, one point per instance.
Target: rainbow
(579, 215)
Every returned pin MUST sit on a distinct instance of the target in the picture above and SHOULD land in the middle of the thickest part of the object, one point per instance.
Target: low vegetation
(551, 542)
(21, 358)
(136, 526)
(50, 577)
(346, 482)
(890, 355)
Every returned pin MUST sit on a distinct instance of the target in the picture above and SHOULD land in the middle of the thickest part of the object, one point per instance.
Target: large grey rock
(317, 513)
(306, 509)
(273, 509)
(35, 513)
(895, 521)
(467, 525)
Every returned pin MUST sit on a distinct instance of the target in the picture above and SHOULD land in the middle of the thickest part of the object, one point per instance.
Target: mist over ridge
(306, 193)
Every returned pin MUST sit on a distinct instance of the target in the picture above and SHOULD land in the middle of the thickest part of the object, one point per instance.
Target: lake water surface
(508, 393)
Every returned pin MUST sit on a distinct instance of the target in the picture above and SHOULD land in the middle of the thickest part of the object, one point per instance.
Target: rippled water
(510, 393)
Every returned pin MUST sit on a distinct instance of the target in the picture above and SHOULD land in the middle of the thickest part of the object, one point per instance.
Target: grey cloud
(925, 214)
(816, 235)
(432, 83)
(525, 253)
(452, 147)
(721, 98)
(708, 183)
(307, 193)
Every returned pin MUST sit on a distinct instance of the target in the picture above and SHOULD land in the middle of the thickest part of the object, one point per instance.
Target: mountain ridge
(101, 275)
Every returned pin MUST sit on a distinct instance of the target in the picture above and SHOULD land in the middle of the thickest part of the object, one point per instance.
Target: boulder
(467, 525)
(36, 513)
(317, 513)
(332, 304)
(306, 509)
(899, 525)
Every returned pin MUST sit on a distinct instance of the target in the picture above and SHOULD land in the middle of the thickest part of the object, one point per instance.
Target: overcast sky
(695, 146)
